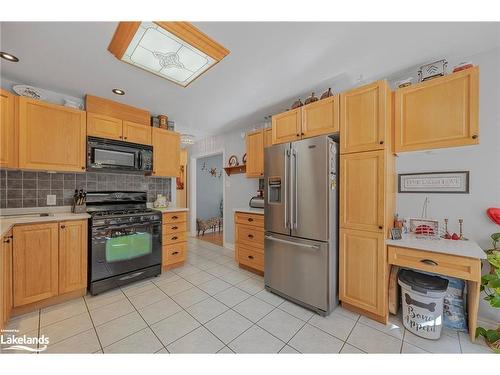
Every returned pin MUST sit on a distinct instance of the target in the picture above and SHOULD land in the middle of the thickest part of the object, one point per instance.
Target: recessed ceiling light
(118, 92)
(8, 57)
(177, 51)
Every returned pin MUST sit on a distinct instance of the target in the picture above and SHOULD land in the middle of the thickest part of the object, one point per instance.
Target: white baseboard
(229, 245)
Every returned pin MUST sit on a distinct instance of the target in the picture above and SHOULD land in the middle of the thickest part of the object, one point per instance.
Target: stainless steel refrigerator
(301, 215)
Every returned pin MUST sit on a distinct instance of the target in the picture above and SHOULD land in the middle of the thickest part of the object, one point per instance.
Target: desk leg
(473, 295)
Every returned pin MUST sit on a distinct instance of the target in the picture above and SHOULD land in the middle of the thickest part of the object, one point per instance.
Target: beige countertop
(469, 249)
(169, 209)
(250, 210)
(11, 217)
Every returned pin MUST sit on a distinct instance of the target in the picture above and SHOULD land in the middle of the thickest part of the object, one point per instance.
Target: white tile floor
(211, 306)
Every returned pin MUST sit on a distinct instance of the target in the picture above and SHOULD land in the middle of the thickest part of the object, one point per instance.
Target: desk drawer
(250, 219)
(174, 253)
(174, 228)
(251, 236)
(174, 217)
(169, 238)
(251, 258)
(444, 264)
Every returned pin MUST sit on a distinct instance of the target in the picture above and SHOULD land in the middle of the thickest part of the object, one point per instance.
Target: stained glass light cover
(158, 51)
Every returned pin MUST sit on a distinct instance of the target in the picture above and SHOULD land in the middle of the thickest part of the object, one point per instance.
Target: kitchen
(98, 257)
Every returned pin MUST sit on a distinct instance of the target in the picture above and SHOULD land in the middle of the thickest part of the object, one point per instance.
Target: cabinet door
(166, 152)
(268, 137)
(442, 112)
(6, 281)
(255, 153)
(35, 262)
(8, 140)
(321, 117)
(363, 118)
(51, 137)
(362, 270)
(104, 126)
(72, 255)
(362, 194)
(136, 133)
(287, 126)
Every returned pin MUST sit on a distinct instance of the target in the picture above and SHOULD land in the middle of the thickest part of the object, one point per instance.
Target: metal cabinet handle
(7, 240)
(250, 236)
(174, 228)
(381, 142)
(174, 238)
(474, 136)
(250, 219)
(380, 227)
(174, 217)
(429, 262)
(175, 253)
(250, 257)
(63, 226)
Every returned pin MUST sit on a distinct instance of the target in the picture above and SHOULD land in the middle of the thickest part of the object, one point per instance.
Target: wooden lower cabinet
(174, 239)
(35, 262)
(72, 255)
(363, 272)
(5, 279)
(49, 260)
(249, 244)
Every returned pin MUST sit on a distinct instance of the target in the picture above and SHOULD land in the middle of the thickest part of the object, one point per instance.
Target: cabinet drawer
(251, 258)
(250, 219)
(174, 217)
(448, 265)
(251, 236)
(174, 253)
(169, 238)
(174, 228)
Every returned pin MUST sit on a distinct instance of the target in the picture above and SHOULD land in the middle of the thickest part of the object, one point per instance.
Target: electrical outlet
(51, 200)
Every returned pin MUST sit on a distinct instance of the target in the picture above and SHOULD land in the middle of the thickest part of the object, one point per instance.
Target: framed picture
(396, 233)
(434, 182)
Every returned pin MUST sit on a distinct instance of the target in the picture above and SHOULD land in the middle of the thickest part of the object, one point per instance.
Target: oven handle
(139, 160)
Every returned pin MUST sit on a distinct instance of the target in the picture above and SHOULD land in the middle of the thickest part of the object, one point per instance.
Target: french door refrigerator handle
(292, 243)
(295, 191)
(287, 155)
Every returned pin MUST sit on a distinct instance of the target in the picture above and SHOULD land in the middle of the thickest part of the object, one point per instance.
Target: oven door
(120, 249)
(111, 156)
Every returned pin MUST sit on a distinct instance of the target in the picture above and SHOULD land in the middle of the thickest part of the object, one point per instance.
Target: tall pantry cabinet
(367, 196)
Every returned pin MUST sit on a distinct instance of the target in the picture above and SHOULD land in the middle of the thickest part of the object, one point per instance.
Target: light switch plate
(51, 200)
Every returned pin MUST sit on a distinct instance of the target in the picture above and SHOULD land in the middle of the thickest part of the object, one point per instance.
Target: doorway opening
(209, 199)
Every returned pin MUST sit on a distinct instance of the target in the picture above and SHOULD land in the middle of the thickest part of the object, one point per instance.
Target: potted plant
(490, 285)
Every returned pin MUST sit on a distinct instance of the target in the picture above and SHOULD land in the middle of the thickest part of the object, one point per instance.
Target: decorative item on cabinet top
(311, 99)
(296, 104)
(326, 94)
(432, 70)
(30, 92)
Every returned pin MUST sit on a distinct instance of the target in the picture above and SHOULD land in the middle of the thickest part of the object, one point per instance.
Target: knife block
(79, 209)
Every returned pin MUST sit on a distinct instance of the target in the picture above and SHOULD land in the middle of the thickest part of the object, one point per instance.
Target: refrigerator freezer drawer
(298, 268)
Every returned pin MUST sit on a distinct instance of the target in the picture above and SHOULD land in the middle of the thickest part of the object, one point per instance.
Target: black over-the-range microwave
(107, 154)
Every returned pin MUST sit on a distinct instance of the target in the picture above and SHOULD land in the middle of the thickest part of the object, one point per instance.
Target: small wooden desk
(460, 259)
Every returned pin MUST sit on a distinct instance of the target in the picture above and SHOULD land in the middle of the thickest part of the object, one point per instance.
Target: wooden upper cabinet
(320, 117)
(255, 153)
(72, 255)
(442, 112)
(166, 152)
(286, 126)
(8, 141)
(268, 137)
(35, 262)
(362, 270)
(136, 133)
(51, 137)
(364, 118)
(103, 126)
(362, 191)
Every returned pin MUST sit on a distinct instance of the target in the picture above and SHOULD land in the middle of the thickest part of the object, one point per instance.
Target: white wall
(483, 162)
(208, 187)
(237, 188)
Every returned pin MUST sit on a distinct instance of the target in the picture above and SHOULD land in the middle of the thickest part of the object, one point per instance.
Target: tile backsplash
(30, 189)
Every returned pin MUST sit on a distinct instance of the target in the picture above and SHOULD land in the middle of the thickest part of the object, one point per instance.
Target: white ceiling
(269, 66)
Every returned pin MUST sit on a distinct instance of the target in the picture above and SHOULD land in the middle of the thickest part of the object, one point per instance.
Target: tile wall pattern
(30, 189)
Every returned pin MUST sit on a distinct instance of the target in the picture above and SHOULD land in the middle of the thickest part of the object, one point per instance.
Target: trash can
(422, 299)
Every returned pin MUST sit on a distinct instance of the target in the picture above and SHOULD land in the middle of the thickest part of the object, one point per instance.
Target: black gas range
(124, 238)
